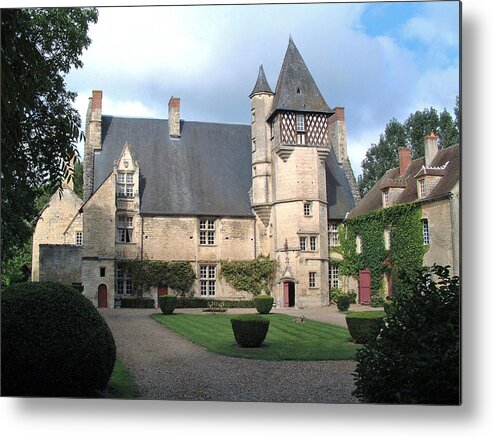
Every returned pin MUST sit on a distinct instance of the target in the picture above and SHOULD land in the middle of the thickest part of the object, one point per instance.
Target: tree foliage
(416, 358)
(384, 155)
(40, 128)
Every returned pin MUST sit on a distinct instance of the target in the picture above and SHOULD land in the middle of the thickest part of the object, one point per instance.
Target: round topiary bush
(343, 302)
(263, 303)
(54, 342)
(250, 330)
(167, 303)
(365, 326)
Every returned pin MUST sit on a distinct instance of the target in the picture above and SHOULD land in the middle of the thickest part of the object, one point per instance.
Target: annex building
(172, 189)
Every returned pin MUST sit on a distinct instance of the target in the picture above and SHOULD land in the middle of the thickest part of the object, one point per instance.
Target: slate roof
(296, 90)
(205, 172)
(373, 199)
(339, 196)
(261, 86)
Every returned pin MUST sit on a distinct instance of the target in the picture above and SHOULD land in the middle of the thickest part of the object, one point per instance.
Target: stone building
(210, 192)
(432, 183)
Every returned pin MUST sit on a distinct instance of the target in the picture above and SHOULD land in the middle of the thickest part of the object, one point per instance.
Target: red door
(364, 292)
(162, 290)
(286, 294)
(102, 296)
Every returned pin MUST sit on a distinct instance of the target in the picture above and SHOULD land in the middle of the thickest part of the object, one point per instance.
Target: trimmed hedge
(250, 330)
(54, 342)
(343, 302)
(365, 326)
(167, 303)
(197, 302)
(138, 302)
(263, 303)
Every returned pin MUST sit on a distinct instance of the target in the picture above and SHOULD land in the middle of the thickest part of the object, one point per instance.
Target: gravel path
(167, 366)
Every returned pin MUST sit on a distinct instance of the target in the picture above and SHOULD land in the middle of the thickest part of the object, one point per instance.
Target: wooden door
(286, 294)
(102, 296)
(364, 291)
(162, 290)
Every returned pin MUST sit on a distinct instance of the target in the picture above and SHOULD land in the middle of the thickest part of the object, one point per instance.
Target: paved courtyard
(167, 366)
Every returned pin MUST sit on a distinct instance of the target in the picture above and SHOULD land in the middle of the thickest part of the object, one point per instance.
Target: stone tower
(290, 141)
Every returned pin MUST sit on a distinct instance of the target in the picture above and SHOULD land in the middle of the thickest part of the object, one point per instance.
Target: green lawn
(121, 384)
(285, 340)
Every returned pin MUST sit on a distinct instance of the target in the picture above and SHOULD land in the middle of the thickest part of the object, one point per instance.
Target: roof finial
(290, 38)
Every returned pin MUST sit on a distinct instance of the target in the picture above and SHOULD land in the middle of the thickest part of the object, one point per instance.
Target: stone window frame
(386, 238)
(426, 232)
(303, 243)
(124, 228)
(386, 198)
(124, 286)
(333, 275)
(307, 209)
(312, 280)
(421, 188)
(253, 115)
(254, 145)
(313, 243)
(207, 231)
(333, 234)
(79, 238)
(125, 184)
(359, 244)
(207, 279)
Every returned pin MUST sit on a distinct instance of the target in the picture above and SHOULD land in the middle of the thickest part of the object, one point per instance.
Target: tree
(416, 357)
(418, 125)
(382, 156)
(40, 128)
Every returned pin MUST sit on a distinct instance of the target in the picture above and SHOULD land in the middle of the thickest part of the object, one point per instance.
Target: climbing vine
(254, 276)
(406, 246)
(178, 275)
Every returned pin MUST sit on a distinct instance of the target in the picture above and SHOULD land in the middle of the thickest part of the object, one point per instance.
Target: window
(359, 244)
(302, 243)
(386, 198)
(421, 188)
(123, 284)
(307, 209)
(300, 122)
(386, 238)
(426, 232)
(125, 184)
(253, 115)
(207, 230)
(254, 145)
(312, 279)
(102, 272)
(313, 243)
(79, 238)
(333, 276)
(207, 280)
(124, 229)
(333, 234)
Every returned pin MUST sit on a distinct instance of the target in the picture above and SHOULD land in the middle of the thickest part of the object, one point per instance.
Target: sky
(378, 60)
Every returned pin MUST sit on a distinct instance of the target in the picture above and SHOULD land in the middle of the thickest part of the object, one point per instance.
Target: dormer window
(385, 198)
(125, 184)
(421, 188)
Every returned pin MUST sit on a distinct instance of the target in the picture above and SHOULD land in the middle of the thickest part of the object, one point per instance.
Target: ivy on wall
(406, 246)
(254, 276)
(178, 275)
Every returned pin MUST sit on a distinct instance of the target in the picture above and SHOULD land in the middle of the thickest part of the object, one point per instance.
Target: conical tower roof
(262, 86)
(296, 90)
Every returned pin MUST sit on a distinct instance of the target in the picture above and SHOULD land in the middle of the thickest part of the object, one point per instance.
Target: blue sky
(378, 60)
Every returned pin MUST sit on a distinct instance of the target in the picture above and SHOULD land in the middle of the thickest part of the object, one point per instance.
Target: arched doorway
(102, 296)
(289, 294)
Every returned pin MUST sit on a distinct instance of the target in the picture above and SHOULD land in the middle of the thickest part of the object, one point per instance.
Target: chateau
(178, 190)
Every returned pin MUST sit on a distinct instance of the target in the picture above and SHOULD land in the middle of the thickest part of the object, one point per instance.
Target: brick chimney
(337, 134)
(404, 159)
(431, 148)
(174, 117)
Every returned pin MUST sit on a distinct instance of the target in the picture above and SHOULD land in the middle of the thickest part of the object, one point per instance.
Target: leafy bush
(335, 293)
(167, 303)
(416, 358)
(388, 307)
(250, 330)
(54, 342)
(263, 303)
(138, 302)
(198, 302)
(365, 325)
(343, 302)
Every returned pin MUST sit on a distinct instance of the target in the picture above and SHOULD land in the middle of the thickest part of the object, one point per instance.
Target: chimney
(93, 139)
(404, 159)
(174, 117)
(339, 113)
(337, 134)
(97, 100)
(431, 148)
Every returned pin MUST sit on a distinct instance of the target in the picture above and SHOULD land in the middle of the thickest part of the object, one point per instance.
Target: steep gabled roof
(261, 86)
(296, 90)
(373, 199)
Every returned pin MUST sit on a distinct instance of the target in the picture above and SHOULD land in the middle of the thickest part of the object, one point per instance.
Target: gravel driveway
(167, 366)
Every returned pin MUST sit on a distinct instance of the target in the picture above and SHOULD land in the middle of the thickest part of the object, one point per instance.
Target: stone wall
(60, 263)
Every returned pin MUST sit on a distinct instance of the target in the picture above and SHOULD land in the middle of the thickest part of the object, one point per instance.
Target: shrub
(263, 303)
(250, 330)
(54, 342)
(167, 303)
(335, 293)
(343, 302)
(138, 302)
(198, 302)
(365, 326)
(416, 358)
(388, 307)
